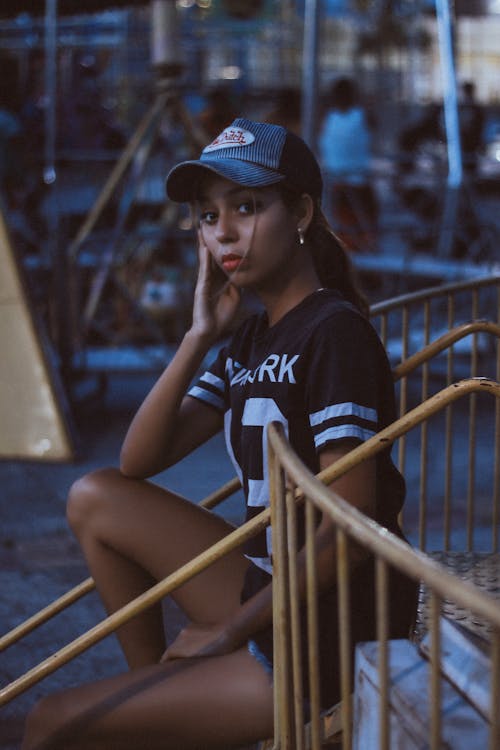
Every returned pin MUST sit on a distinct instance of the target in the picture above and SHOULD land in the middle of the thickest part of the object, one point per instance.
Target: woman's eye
(248, 208)
(208, 217)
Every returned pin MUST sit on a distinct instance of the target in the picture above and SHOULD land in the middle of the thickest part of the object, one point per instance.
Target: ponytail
(332, 261)
(330, 256)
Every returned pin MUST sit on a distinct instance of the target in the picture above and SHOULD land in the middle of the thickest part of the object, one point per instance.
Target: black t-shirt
(323, 373)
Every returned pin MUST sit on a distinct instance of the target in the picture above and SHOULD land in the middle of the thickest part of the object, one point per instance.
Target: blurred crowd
(346, 138)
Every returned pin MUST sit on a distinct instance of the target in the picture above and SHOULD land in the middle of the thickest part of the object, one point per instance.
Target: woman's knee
(88, 496)
(43, 723)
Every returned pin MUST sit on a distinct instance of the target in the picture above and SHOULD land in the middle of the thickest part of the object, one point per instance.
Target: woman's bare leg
(204, 704)
(133, 533)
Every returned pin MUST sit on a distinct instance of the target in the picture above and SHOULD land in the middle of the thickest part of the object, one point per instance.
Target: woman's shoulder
(336, 317)
(330, 303)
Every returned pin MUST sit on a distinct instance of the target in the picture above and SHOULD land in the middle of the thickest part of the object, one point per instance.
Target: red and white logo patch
(230, 138)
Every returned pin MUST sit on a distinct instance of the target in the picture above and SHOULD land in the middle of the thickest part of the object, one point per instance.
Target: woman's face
(250, 233)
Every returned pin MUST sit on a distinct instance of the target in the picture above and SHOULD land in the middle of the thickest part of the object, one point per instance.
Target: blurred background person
(287, 110)
(345, 150)
(471, 120)
(218, 113)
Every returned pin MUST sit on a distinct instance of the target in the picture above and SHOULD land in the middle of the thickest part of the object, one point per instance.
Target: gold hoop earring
(301, 235)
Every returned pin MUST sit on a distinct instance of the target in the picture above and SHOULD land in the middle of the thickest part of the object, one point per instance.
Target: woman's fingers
(198, 640)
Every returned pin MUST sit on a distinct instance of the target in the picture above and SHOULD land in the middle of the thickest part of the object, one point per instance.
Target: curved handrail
(444, 342)
(403, 369)
(433, 293)
(389, 552)
(378, 539)
(411, 419)
(236, 538)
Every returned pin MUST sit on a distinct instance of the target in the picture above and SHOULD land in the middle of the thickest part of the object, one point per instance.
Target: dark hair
(343, 94)
(330, 256)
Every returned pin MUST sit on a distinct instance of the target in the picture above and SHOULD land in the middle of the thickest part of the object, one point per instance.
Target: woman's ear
(305, 211)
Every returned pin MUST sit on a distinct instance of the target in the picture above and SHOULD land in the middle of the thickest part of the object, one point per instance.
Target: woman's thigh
(159, 531)
(215, 703)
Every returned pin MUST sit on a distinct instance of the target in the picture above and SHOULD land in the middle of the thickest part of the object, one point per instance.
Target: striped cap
(252, 154)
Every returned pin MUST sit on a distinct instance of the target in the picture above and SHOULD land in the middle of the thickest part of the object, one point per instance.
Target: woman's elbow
(131, 467)
(142, 467)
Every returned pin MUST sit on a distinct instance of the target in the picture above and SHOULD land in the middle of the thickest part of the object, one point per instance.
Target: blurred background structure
(98, 99)
(97, 105)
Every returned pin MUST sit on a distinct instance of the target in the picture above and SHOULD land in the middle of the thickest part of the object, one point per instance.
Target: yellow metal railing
(406, 324)
(379, 442)
(409, 365)
(403, 370)
(292, 484)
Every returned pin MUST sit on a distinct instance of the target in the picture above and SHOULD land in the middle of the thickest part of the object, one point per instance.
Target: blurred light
(494, 6)
(205, 4)
(497, 154)
(231, 72)
(185, 3)
(49, 175)
(42, 446)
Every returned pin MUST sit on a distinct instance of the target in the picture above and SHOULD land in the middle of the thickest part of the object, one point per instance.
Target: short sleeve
(211, 386)
(342, 384)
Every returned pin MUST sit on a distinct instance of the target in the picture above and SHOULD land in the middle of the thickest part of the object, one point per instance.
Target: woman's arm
(169, 424)
(356, 487)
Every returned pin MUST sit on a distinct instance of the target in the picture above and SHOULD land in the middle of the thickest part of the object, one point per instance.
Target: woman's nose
(225, 230)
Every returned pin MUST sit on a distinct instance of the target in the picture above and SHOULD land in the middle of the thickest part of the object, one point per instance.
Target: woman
(310, 360)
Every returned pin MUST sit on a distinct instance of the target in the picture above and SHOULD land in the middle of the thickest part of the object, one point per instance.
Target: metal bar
(294, 619)
(494, 739)
(450, 100)
(423, 438)
(312, 625)
(108, 260)
(403, 395)
(449, 431)
(280, 602)
(472, 435)
(310, 72)
(441, 344)
(117, 173)
(382, 597)
(434, 292)
(435, 677)
(344, 636)
(496, 470)
(221, 494)
(383, 329)
(50, 80)
(70, 597)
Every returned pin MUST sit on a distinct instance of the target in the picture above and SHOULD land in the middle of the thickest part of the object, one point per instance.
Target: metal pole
(165, 44)
(50, 44)
(310, 72)
(56, 253)
(452, 127)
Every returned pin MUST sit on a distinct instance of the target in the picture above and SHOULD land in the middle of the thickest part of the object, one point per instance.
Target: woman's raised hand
(216, 299)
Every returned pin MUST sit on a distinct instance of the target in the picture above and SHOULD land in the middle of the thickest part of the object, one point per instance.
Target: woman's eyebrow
(229, 193)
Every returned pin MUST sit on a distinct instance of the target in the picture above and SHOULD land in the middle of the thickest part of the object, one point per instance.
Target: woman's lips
(231, 262)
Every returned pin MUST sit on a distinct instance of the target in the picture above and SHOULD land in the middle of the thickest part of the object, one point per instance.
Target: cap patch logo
(229, 138)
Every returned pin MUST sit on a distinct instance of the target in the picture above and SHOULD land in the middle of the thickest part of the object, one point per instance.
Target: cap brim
(182, 180)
